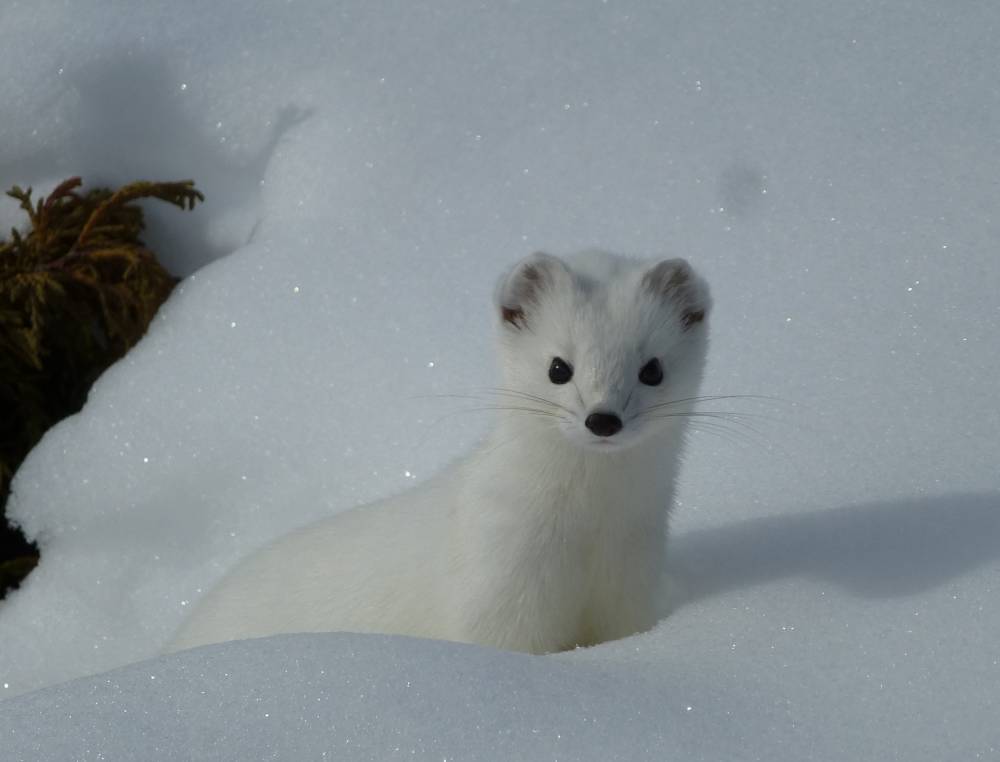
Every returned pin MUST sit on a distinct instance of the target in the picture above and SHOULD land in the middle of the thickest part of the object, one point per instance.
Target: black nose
(604, 424)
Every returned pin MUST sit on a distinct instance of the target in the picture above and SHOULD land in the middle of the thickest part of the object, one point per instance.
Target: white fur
(546, 536)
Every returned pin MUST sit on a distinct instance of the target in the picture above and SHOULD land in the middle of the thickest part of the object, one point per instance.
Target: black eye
(560, 371)
(651, 373)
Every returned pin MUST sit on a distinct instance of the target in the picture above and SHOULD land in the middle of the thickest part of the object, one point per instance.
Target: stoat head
(609, 350)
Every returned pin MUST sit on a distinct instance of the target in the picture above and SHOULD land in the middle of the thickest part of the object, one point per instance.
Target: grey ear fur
(521, 289)
(675, 279)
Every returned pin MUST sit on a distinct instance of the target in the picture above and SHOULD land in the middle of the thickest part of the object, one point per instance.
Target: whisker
(512, 408)
(733, 414)
(488, 408)
(484, 394)
(753, 440)
(719, 421)
(728, 435)
(712, 398)
(517, 408)
(733, 418)
(534, 397)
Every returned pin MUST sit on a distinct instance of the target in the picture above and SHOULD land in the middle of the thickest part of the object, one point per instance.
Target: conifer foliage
(76, 291)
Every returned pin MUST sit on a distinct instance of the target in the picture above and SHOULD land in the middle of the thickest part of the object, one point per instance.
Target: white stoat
(551, 534)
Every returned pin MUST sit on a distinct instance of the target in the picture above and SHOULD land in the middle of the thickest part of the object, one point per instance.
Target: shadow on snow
(879, 550)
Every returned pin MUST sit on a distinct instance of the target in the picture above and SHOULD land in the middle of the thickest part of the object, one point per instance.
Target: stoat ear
(676, 281)
(524, 286)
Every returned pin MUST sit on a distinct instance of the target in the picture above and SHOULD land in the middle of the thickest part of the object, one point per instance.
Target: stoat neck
(530, 464)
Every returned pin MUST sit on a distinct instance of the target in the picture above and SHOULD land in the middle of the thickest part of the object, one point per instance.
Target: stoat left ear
(676, 281)
(520, 291)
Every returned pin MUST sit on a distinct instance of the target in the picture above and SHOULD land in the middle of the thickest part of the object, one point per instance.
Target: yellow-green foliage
(76, 291)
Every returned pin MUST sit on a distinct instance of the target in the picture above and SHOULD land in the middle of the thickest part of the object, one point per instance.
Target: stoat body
(551, 534)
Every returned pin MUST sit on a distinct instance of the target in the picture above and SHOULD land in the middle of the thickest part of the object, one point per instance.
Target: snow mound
(346, 697)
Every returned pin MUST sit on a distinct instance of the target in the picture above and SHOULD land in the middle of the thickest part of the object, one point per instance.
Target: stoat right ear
(676, 281)
(522, 288)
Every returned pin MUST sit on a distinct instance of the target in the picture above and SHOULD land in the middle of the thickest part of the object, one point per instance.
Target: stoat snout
(604, 424)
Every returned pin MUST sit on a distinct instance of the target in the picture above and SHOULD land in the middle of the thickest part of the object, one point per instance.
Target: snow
(344, 696)
(370, 169)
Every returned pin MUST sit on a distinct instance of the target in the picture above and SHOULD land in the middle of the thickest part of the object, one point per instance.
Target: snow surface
(346, 696)
(370, 168)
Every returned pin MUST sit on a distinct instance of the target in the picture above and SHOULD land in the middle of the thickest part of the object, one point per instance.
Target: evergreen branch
(77, 290)
(181, 194)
